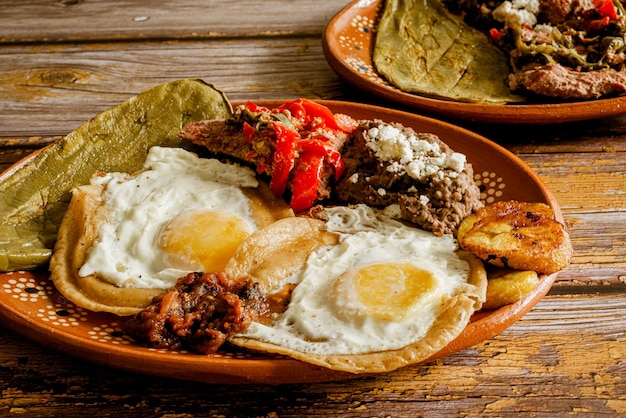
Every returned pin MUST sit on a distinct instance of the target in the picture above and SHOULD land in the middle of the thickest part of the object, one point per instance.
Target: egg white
(316, 322)
(172, 182)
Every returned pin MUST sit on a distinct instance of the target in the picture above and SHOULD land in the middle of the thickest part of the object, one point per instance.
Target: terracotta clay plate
(30, 305)
(348, 43)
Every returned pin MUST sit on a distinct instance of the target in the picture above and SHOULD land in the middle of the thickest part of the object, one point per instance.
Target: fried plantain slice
(517, 235)
(508, 286)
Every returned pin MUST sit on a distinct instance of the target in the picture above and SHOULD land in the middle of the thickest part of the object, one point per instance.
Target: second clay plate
(348, 43)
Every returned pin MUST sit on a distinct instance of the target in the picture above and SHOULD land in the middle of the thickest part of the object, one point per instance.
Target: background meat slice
(556, 11)
(555, 80)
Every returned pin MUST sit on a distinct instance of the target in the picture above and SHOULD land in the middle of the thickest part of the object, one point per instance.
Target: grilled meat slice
(297, 145)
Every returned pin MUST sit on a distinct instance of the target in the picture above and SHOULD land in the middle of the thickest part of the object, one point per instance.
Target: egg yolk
(202, 241)
(387, 291)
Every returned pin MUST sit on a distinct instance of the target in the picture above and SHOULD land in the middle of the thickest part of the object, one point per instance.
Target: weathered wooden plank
(569, 360)
(50, 90)
(585, 136)
(588, 182)
(63, 61)
(591, 191)
(80, 20)
(599, 247)
(78, 81)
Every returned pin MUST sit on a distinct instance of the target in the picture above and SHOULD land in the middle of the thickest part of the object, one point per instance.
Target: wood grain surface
(64, 61)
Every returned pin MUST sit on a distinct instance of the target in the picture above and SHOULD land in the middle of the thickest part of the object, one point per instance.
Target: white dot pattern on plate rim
(64, 314)
(353, 45)
(491, 186)
(27, 289)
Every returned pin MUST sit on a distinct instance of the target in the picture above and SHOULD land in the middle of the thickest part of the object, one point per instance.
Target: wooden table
(64, 61)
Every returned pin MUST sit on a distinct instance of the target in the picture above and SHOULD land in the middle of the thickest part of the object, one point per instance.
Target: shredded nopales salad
(563, 41)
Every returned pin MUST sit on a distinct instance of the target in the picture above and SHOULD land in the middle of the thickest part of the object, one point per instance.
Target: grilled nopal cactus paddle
(422, 48)
(33, 199)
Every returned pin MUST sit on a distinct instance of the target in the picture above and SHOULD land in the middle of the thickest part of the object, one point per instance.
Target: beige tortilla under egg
(454, 317)
(79, 230)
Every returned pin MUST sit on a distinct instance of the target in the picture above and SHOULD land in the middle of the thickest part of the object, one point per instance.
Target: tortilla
(277, 254)
(77, 233)
(79, 230)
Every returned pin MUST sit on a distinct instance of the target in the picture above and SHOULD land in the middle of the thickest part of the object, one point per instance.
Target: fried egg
(180, 214)
(383, 287)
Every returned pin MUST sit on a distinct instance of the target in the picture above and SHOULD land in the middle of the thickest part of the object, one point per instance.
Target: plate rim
(226, 370)
(536, 114)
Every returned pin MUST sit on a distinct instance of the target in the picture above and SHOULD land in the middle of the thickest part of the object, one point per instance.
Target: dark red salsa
(199, 314)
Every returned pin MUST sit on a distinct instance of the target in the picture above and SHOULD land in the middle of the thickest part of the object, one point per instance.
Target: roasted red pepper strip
(495, 34)
(326, 150)
(598, 24)
(308, 110)
(306, 180)
(606, 8)
(284, 157)
(295, 108)
(316, 110)
(337, 122)
(248, 131)
(253, 107)
(312, 121)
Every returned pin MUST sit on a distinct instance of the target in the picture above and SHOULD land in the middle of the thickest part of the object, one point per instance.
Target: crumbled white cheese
(420, 169)
(389, 144)
(424, 200)
(395, 167)
(517, 12)
(544, 28)
(456, 162)
(403, 153)
(587, 4)
(354, 178)
(381, 191)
